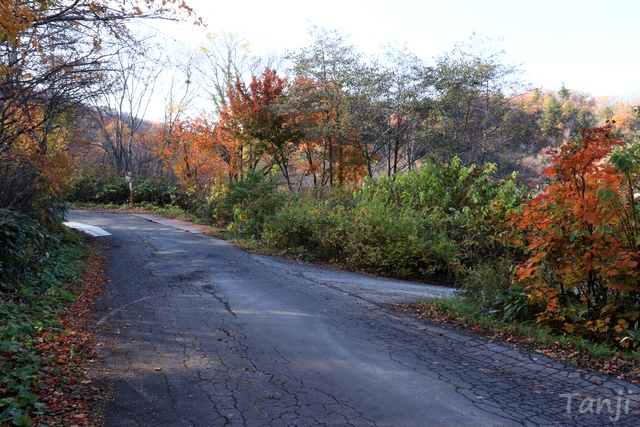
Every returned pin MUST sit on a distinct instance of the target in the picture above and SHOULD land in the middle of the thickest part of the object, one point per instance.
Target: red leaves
(64, 386)
(581, 241)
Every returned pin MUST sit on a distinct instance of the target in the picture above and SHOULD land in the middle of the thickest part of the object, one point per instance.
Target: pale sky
(590, 46)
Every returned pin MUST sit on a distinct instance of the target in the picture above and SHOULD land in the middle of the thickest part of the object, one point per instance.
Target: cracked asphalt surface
(196, 332)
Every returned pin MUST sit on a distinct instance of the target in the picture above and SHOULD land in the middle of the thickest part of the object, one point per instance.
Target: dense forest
(449, 169)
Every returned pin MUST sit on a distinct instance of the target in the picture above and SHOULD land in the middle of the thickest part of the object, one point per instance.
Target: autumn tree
(194, 155)
(52, 54)
(624, 112)
(238, 147)
(180, 95)
(120, 108)
(42, 79)
(267, 118)
(581, 234)
(473, 86)
(311, 161)
(565, 114)
(329, 65)
(222, 59)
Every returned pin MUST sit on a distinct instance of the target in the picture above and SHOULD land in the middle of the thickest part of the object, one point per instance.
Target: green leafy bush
(440, 222)
(245, 204)
(158, 191)
(397, 242)
(22, 239)
(100, 186)
(103, 186)
(442, 219)
(317, 229)
(26, 311)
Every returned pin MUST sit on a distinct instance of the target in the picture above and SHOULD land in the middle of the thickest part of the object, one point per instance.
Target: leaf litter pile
(619, 366)
(70, 396)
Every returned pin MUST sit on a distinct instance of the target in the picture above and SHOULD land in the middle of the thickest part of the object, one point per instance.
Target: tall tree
(121, 107)
(179, 97)
(408, 105)
(368, 115)
(329, 63)
(223, 59)
(270, 119)
(51, 57)
(552, 118)
(194, 155)
(474, 86)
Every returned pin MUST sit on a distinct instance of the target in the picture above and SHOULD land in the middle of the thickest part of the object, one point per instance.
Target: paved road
(196, 332)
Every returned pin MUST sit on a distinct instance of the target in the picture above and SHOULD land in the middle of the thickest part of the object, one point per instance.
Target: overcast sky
(590, 45)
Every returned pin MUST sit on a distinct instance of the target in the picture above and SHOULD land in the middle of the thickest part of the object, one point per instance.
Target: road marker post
(127, 178)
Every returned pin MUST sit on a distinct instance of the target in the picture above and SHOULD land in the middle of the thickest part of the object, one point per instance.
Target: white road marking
(89, 229)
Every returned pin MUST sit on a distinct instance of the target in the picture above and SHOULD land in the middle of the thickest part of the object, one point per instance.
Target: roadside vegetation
(46, 337)
(450, 170)
(51, 57)
(564, 257)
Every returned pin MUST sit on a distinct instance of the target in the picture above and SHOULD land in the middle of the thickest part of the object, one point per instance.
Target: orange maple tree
(241, 150)
(581, 234)
(193, 152)
(329, 146)
(259, 116)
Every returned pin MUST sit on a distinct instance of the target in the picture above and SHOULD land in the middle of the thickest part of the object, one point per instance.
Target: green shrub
(396, 242)
(100, 186)
(103, 186)
(32, 307)
(441, 221)
(244, 205)
(158, 191)
(316, 228)
(513, 304)
(22, 239)
(486, 280)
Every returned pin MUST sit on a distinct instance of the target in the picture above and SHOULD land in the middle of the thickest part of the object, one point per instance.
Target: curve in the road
(199, 333)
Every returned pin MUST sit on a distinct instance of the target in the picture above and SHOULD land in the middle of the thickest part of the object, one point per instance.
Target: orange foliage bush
(581, 235)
